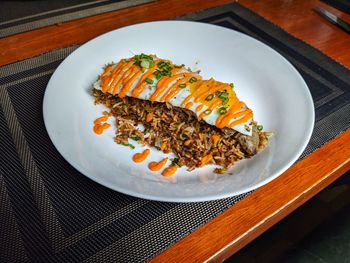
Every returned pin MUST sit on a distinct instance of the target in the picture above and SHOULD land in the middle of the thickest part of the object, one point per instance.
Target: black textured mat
(343, 5)
(24, 15)
(49, 212)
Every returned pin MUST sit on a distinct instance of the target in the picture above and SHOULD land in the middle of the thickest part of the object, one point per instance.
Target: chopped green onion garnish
(175, 161)
(158, 75)
(152, 63)
(207, 112)
(160, 64)
(136, 138)
(128, 145)
(231, 84)
(222, 111)
(193, 79)
(222, 94)
(259, 127)
(149, 81)
(225, 101)
(145, 63)
(144, 56)
(209, 97)
(168, 68)
(179, 66)
(182, 86)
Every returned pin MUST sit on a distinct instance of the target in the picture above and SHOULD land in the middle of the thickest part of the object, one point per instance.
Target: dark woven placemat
(51, 212)
(343, 5)
(24, 15)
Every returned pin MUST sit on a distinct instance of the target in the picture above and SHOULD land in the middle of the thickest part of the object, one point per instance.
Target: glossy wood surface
(249, 218)
(36, 42)
(298, 18)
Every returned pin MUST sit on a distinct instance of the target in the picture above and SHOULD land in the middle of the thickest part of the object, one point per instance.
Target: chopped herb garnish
(231, 84)
(193, 79)
(144, 61)
(209, 97)
(128, 145)
(158, 75)
(144, 56)
(222, 94)
(182, 86)
(161, 64)
(207, 112)
(179, 66)
(136, 138)
(225, 101)
(149, 81)
(259, 127)
(222, 110)
(164, 72)
(175, 161)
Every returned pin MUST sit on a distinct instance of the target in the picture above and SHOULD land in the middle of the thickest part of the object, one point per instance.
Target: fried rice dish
(159, 104)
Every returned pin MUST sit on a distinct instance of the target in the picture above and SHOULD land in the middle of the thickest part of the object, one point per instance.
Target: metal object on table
(333, 19)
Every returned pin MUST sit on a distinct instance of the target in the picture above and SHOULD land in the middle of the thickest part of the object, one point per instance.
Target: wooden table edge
(237, 226)
(33, 43)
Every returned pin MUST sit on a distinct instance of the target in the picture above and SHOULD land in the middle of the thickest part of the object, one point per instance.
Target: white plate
(263, 79)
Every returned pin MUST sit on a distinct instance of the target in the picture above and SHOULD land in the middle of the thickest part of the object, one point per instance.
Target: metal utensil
(333, 19)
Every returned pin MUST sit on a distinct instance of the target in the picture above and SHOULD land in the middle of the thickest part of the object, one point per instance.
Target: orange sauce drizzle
(115, 77)
(156, 166)
(199, 107)
(211, 90)
(101, 119)
(176, 89)
(215, 138)
(163, 146)
(140, 157)
(128, 84)
(222, 122)
(187, 142)
(206, 159)
(99, 128)
(214, 104)
(100, 124)
(140, 87)
(162, 85)
(198, 88)
(107, 76)
(126, 73)
(149, 117)
(189, 105)
(169, 171)
(248, 115)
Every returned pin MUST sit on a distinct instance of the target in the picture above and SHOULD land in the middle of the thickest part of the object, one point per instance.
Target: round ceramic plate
(267, 82)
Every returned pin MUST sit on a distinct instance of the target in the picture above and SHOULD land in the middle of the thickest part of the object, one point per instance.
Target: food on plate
(201, 121)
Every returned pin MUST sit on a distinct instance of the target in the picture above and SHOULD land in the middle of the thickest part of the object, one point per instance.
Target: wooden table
(270, 203)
